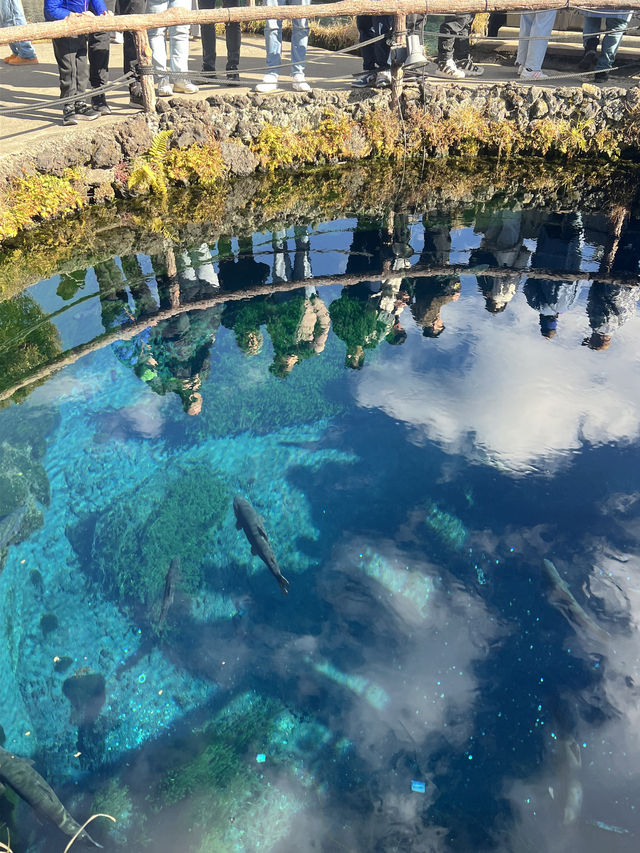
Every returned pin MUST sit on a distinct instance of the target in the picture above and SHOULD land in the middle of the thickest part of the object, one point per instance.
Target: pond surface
(448, 469)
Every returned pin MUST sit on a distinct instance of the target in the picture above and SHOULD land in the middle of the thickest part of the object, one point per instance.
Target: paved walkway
(39, 83)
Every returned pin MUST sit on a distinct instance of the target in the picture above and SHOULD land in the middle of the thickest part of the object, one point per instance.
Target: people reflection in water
(369, 312)
(502, 245)
(173, 356)
(124, 292)
(559, 247)
(241, 271)
(283, 269)
(432, 293)
(609, 306)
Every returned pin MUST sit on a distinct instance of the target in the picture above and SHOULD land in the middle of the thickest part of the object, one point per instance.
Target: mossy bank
(208, 141)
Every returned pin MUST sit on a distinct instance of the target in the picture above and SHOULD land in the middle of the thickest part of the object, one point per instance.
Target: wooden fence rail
(84, 25)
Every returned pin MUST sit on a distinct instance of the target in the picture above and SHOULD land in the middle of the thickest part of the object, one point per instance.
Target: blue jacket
(57, 10)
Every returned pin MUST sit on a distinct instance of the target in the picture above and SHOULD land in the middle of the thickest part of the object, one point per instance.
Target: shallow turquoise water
(417, 446)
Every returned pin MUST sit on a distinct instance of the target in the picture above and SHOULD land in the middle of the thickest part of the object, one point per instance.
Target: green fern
(149, 170)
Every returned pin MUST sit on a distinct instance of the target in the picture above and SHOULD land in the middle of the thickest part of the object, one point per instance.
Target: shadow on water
(432, 410)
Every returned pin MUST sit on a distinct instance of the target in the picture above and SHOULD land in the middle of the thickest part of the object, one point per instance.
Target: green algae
(356, 322)
(115, 799)
(446, 526)
(136, 538)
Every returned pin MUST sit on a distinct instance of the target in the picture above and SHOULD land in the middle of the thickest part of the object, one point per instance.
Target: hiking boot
(232, 73)
(470, 68)
(69, 115)
(588, 61)
(367, 78)
(449, 69)
(85, 112)
(601, 76)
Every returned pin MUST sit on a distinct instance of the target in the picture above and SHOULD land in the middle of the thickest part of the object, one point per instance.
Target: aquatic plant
(115, 799)
(446, 526)
(136, 537)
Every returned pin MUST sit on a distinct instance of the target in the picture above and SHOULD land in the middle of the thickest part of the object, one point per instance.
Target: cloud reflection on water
(550, 398)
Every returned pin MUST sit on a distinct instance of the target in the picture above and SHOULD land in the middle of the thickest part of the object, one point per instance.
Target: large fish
(247, 519)
(573, 612)
(18, 773)
(170, 583)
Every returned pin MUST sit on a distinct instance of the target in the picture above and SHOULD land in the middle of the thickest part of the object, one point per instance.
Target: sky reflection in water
(416, 448)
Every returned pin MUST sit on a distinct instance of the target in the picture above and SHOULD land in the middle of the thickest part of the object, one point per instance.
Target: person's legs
(273, 40)
(526, 22)
(65, 57)
(541, 27)
(233, 38)
(449, 29)
(366, 31)
(12, 15)
(383, 25)
(461, 48)
(611, 42)
(179, 40)
(98, 47)
(82, 67)
(208, 37)
(591, 32)
(299, 39)
(129, 56)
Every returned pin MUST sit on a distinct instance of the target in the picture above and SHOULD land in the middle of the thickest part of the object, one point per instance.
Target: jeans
(535, 29)
(208, 35)
(376, 56)
(457, 29)
(299, 38)
(610, 41)
(178, 38)
(11, 15)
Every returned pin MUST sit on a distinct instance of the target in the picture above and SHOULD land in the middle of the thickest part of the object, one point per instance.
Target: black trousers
(98, 45)
(71, 56)
(375, 57)
(455, 43)
(130, 7)
(208, 36)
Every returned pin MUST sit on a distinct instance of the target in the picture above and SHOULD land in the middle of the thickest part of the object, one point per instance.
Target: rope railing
(172, 17)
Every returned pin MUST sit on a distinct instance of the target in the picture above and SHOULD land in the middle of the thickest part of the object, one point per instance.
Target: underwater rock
(87, 695)
(48, 623)
(3, 736)
(36, 579)
(62, 664)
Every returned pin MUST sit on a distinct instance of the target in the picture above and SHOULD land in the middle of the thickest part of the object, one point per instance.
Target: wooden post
(143, 52)
(399, 26)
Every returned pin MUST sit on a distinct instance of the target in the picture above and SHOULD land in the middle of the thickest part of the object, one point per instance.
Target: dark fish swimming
(170, 584)
(569, 607)
(19, 775)
(247, 519)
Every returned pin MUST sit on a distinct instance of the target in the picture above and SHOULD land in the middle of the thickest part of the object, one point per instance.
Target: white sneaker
(300, 84)
(185, 86)
(269, 84)
(528, 74)
(383, 80)
(449, 69)
(165, 89)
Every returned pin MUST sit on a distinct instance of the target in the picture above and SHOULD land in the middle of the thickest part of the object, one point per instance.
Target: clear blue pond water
(418, 446)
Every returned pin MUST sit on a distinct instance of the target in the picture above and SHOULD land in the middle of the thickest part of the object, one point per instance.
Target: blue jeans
(178, 38)
(610, 41)
(299, 38)
(11, 15)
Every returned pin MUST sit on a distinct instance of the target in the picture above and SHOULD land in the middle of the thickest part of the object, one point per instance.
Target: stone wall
(431, 120)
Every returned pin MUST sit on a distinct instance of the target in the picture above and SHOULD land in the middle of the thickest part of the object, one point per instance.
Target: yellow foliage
(38, 197)
(200, 164)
